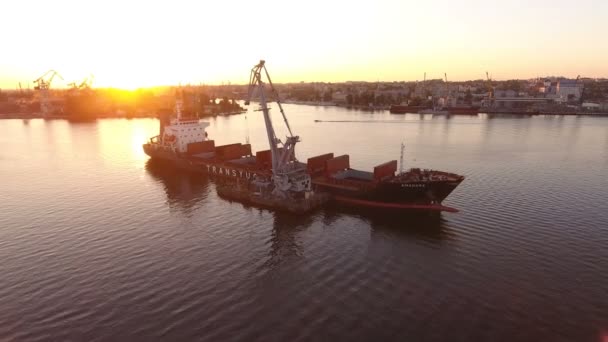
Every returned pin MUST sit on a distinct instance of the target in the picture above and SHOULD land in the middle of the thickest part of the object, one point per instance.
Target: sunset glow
(135, 44)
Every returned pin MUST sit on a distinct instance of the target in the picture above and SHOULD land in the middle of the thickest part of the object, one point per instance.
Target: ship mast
(179, 103)
(401, 158)
(447, 90)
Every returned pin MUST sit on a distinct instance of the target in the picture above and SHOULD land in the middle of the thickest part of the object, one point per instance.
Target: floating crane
(288, 175)
(43, 84)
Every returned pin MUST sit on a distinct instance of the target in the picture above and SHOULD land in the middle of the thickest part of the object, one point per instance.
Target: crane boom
(42, 83)
(287, 173)
(87, 82)
(280, 159)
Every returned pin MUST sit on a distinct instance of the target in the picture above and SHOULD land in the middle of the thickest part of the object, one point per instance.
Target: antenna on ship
(246, 128)
(401, 158)
(179, 102)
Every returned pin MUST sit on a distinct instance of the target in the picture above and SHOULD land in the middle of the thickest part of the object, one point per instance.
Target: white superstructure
(181, 131)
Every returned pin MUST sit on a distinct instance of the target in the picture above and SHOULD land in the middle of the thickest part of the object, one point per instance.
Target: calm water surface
(99, 244)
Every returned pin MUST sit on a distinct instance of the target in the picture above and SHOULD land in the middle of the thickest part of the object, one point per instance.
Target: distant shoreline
(67, 117)
(24, 116)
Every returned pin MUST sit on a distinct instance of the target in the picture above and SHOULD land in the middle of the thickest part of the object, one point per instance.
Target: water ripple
(100, 244)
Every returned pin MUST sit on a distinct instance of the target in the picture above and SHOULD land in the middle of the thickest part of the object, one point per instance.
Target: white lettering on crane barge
(223, 171)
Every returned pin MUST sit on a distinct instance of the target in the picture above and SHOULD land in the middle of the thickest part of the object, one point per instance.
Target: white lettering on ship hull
(412, 185)
(222, 171)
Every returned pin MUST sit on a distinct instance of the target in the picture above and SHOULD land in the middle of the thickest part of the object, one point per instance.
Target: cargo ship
(383, 187)
(275, 178)
(184, 142)
(451, 111)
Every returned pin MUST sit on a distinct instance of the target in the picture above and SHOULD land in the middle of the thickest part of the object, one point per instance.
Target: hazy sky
(141, 43)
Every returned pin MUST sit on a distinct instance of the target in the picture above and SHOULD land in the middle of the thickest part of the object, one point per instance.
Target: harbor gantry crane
(490, 90)
(288, 175)
(447, 91)
(87, 83)
(43, 84)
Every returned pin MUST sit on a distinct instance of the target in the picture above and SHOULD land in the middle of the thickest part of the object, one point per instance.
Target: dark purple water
(98, 244)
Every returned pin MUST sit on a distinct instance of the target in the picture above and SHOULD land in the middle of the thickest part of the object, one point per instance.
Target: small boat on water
(462, 110)
(404, 109)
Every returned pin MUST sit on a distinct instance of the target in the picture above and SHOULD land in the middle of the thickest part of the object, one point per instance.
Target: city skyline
(143, 44)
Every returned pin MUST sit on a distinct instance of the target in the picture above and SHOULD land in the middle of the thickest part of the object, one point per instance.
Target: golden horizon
(217, 43)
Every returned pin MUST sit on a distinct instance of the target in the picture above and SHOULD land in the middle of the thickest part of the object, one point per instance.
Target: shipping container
(225, 152)
(264, 158)
(201, 147)
(316, 165)
(385, 170)
(337, 164)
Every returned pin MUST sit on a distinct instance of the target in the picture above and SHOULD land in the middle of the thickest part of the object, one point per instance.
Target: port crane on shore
(287, 173)
(447, 91)
(43, 84)
(86, 83)
(490, 90)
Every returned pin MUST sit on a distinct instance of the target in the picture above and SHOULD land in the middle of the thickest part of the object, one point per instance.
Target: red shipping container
(201, 147)
(245, 150)
(337, 164)
(225, 152)
(264, 158)
(316, 164)
(385, 170)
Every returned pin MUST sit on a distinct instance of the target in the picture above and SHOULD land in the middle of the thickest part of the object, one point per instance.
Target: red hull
(463, 111)
(375, 204)
(399, 109)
